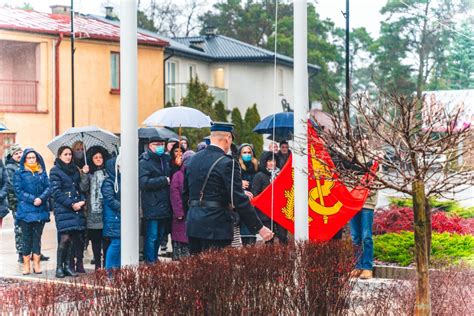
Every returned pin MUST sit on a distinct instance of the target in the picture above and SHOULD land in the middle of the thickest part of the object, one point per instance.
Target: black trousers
(31, 237)
(198, 245)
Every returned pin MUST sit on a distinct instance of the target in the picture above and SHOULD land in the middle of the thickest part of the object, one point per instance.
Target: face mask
(78, 154)
(246, 157)
(160, 150)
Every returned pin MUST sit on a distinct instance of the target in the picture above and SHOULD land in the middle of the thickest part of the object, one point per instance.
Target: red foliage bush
(263, 280)
(395, 219)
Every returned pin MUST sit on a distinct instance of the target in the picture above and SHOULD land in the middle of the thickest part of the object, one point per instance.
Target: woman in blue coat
(111, 213)
(69, 205)
(32, 190)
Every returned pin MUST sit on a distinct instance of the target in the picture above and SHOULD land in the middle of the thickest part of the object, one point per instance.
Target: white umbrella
(178, 116)
(88, 135)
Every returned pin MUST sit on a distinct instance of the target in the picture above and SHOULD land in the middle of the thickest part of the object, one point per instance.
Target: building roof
(55, 24)
(219, 48)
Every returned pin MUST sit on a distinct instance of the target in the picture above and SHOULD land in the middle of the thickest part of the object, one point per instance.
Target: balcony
(174, 92)
(18, 95)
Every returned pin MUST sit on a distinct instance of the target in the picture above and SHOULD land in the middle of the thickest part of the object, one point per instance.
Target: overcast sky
(363, 12)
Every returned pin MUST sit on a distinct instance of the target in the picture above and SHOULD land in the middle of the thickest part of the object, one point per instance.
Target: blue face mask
(246, 157)
(160, 150)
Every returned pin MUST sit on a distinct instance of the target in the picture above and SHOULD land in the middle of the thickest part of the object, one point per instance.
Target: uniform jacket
(216, 223)
(154, 186)
(28, 187)
(65, 187)
(111, 214)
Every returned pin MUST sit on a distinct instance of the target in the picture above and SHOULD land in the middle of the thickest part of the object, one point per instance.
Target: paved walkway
(8, 256)
(9, 267)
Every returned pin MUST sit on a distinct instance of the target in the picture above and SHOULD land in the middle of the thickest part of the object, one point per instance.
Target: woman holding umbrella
(96, 158)
(69, 205)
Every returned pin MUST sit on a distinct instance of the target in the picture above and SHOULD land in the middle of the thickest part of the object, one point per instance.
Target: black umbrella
(163, 132)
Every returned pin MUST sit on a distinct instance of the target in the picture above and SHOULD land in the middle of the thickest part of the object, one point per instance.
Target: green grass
(446, 248)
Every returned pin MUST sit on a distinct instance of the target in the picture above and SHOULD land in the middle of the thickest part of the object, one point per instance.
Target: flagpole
(129, 132)
(300, 88)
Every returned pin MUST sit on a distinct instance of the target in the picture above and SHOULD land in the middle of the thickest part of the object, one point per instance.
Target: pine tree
(236, 119)
(220, 113)
(252, 118)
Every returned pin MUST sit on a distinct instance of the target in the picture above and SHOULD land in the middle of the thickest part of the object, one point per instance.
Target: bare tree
(171, 19)
(419, 153)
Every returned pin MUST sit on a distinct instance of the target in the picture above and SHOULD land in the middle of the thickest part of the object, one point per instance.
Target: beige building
(35, 76)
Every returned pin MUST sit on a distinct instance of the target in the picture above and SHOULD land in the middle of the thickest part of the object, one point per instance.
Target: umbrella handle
(84, 146)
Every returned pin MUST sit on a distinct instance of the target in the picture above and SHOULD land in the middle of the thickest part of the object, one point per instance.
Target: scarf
(33, 168)
(96, 194)
(70, 168)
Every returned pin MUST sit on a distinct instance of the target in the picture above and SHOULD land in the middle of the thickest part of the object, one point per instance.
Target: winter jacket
(92, 188)
(28, 187)
(4, 183)
(111, 214)
(11, 167)
(65, 187)
(154, 186)
(260, 182)
(178, 226)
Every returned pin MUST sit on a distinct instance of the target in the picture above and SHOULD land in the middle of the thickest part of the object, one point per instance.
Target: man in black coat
(154, 184)
(213, 191)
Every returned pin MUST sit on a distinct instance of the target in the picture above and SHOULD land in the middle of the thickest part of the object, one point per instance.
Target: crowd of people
(201, 200)
(83, 192)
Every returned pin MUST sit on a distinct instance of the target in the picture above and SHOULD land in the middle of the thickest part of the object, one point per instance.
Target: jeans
(112, 259)
(361, 232)
(31, 237)
(153, 234)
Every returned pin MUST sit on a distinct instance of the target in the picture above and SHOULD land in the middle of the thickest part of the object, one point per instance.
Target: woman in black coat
(69, 205)
(249, 168)
(268, 172)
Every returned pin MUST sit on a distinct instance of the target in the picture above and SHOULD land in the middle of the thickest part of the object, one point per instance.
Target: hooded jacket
(111, 214)
(29, 186)
(65, 189)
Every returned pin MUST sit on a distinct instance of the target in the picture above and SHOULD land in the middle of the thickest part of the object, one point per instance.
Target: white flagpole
(129, 132)
(300, 88)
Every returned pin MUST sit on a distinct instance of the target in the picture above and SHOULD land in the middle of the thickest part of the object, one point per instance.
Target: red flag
(330, 204)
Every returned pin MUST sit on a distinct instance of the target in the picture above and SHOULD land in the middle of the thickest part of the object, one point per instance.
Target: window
(114, 72)
(192, 72)
(171, 80)
(219, 79)
(19, 75)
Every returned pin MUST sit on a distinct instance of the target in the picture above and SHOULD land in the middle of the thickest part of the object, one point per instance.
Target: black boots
(66, 265)
(64, 257)
(60, 257)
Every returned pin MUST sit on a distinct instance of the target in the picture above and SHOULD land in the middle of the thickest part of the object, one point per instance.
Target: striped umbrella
(88, 135)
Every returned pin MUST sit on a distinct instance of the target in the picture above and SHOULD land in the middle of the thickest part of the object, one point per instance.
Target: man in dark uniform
(212, 185)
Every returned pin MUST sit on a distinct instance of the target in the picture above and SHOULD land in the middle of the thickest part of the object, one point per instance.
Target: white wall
(254, 83)
(247, 83)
